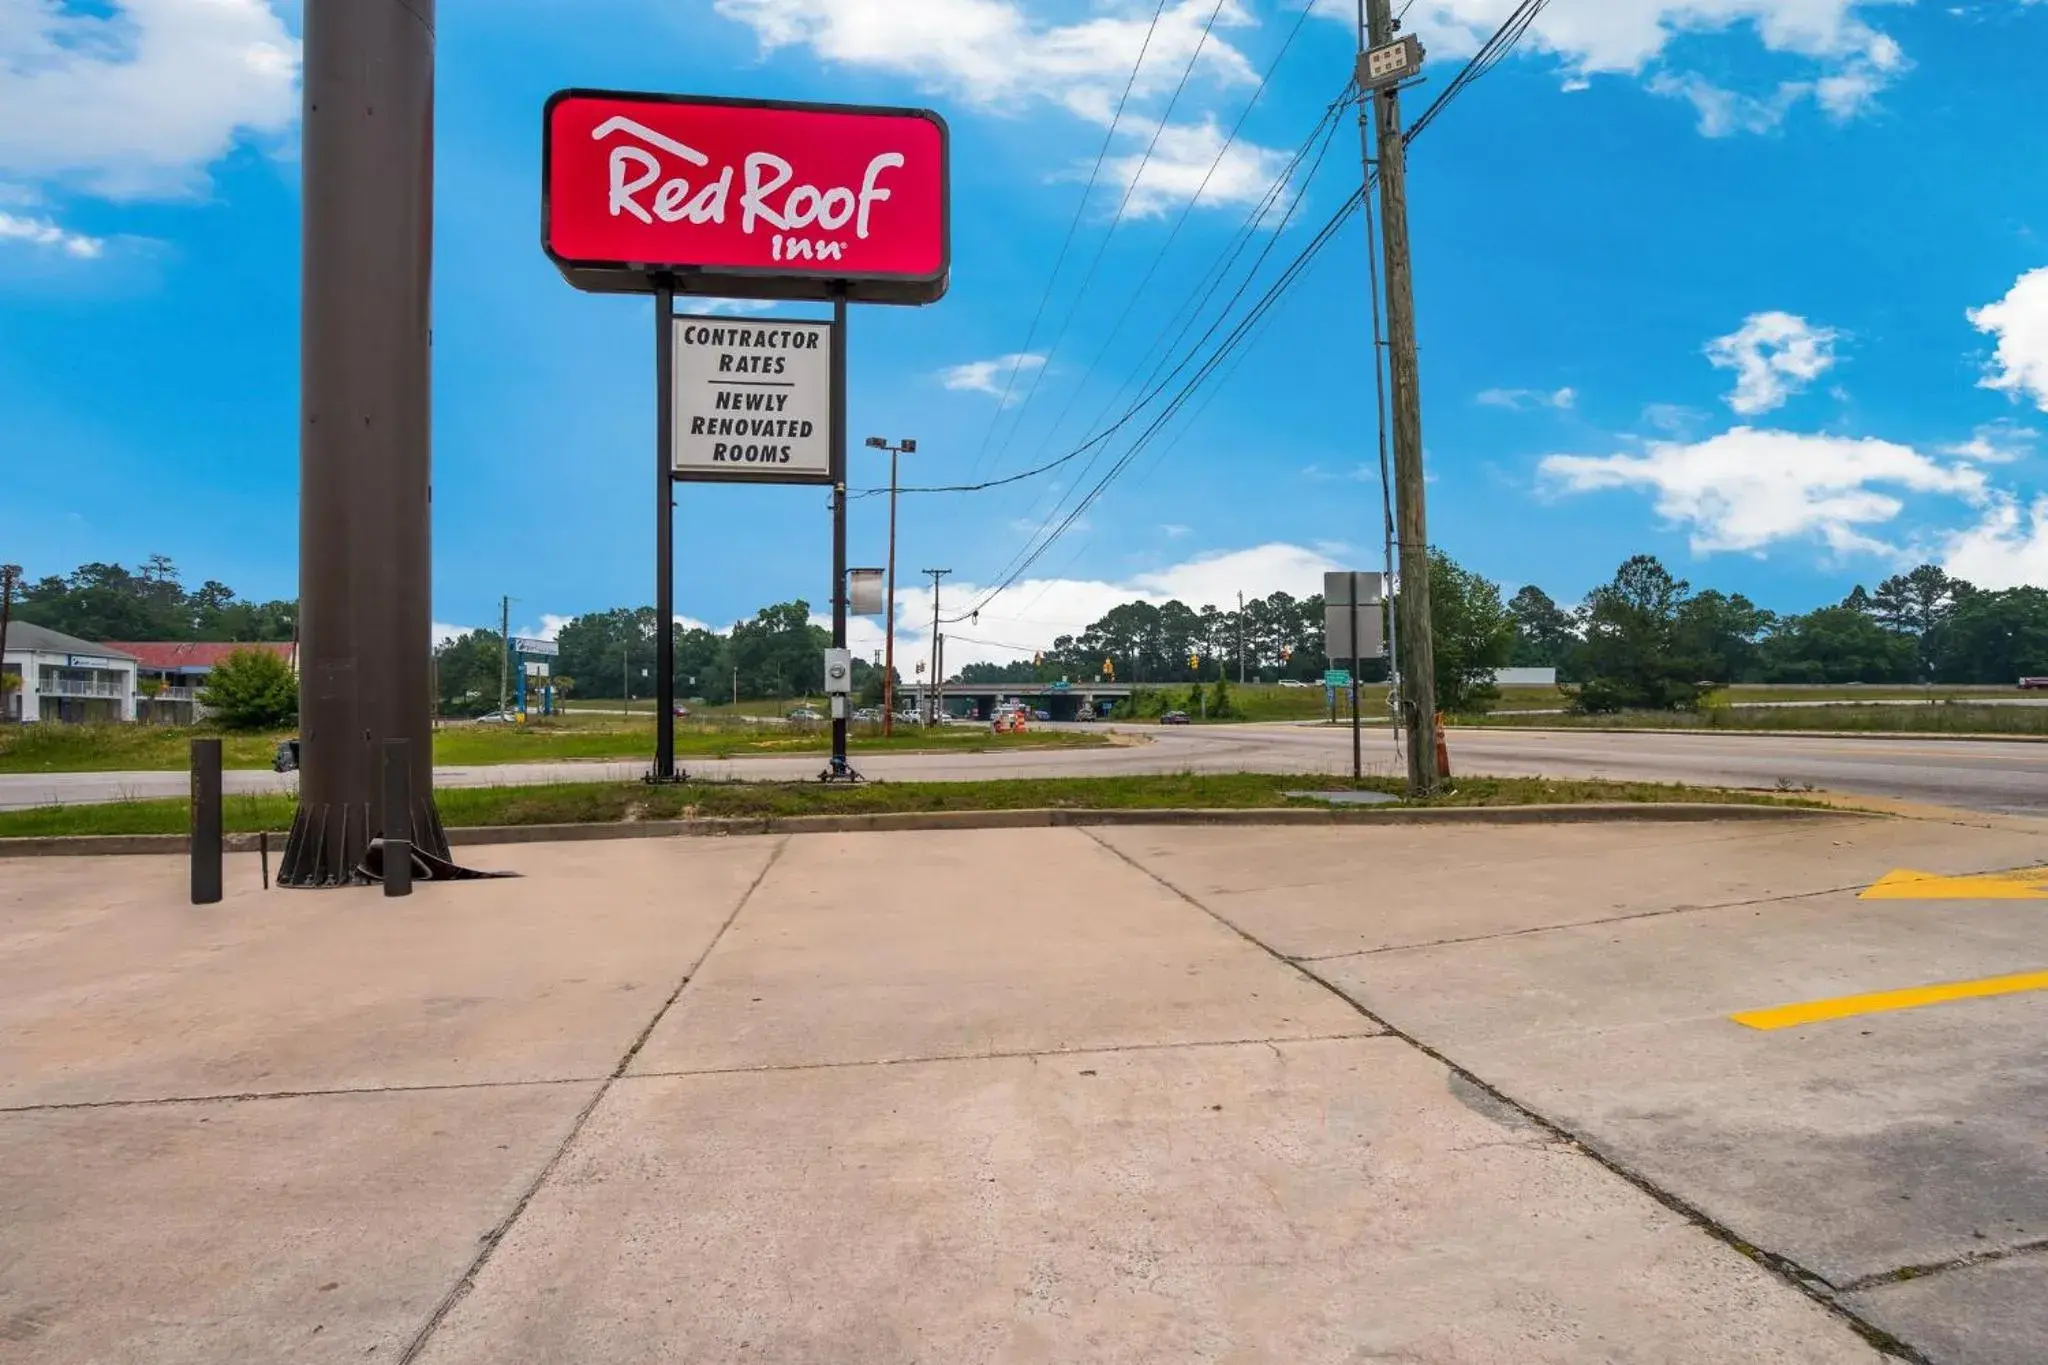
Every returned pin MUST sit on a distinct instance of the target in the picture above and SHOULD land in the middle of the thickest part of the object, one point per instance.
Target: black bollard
(397, 817)
(206, 819)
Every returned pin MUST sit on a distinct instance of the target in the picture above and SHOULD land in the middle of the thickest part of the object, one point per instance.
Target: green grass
(1937, 718)
(601, 802)
(124, 748)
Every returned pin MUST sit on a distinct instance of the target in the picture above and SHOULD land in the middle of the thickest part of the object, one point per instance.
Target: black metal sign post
(1357, 743)
(664, 770)
(840, 770)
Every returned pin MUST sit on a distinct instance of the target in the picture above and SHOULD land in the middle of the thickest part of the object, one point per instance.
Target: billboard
(746, 198)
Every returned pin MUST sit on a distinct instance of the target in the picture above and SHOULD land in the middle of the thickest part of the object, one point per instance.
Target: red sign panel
(746, 198)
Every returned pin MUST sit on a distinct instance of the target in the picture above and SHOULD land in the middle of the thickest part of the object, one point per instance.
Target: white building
(58, 677)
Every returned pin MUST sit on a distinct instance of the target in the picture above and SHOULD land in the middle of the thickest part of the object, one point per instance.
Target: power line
(1187, 211)
(1116, 221)
(1490, 55)
(1080, 208)
(1330, 122)
(1285, 281)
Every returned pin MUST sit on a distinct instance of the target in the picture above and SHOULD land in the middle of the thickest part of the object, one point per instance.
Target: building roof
(185, 656)
(22, 636)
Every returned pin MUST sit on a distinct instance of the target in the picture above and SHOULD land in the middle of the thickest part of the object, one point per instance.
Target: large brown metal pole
(365, 539)
(1418, 653)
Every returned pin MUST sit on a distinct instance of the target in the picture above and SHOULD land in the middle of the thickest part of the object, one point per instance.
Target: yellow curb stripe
(1848, 1006)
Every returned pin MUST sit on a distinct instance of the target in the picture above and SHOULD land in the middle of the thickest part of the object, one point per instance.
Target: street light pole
(889, 601)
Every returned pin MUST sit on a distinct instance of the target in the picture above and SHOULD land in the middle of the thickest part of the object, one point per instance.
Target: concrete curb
(107, 845)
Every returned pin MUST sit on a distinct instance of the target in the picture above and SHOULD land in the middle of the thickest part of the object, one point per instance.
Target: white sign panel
(538, 649)
(865, 591)
(753, 400)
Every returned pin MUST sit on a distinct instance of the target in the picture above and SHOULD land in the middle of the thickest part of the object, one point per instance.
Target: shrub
(252, 689)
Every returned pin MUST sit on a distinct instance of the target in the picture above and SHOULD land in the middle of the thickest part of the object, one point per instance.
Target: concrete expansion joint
(1558, 1137)
(317, 1093)
(1903, 1274)
(1001, 1055)
(495, 1238)
(1576, 924)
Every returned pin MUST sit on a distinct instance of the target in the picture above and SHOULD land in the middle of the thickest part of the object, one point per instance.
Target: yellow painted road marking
(1848, 1006)
(2023, 884)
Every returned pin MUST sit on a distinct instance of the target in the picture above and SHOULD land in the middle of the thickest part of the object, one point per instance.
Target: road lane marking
(1879, 1002)
(1905, 884)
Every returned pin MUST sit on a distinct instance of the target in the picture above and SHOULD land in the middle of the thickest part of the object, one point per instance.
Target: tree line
(108, 602)
(1645, 639)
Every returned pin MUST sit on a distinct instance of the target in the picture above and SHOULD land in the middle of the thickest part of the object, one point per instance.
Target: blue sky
(1750, 284)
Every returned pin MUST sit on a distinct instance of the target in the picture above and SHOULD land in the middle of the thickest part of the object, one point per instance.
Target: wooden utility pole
(1418, 653)
(931, 696)
(9, 575)
(504, 654)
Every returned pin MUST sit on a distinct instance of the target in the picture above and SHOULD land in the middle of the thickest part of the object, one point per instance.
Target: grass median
(609, 802)
(159, 748)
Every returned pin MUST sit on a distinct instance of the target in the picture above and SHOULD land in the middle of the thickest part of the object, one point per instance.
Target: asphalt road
(1987, 775)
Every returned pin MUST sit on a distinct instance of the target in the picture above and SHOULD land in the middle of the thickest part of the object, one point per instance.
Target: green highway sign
(1337, 677)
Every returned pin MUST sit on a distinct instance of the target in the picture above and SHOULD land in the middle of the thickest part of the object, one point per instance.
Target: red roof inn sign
(746, 198)
(760, 199)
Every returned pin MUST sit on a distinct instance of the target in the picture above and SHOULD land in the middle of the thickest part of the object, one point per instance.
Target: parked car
(804, 714)
(1041, 715)
(868, 713)
(681, 711)
(498, 718)
(1293, 682)
(1175, 718)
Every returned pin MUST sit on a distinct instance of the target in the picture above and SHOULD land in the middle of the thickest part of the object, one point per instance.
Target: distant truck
(2034, 684)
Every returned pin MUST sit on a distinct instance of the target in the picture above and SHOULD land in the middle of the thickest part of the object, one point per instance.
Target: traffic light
(1109, 669)
(1194, 664)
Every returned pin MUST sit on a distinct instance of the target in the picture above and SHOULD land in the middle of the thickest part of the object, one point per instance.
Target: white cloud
(1850, 61)
(137, 98)
(995, 52)
(1747, 489)
(47, 234)
(2000, 442)
(1724, 112)
(996, 378)
(2007, 549)
(1358, 473)
(1008, 55)
(2020, 322)
(1174, 531)
(1521, 400)
(1035, 612)
(1189, 157)
(1774, 355)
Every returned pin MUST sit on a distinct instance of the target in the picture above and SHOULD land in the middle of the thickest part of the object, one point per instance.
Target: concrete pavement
(1283, 1095)
(1984, 775)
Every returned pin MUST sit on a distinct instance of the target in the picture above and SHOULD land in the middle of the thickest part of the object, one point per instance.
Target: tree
(1993, 637)
(1473, 632)
(466, 672)
(1721, 632)
(1630, 657)
(107, 602)
(1917, 604)
(1837, 645)
(1544, 636)
(252, 689)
